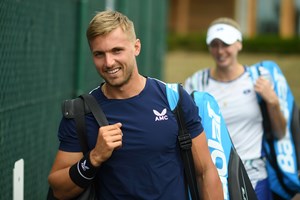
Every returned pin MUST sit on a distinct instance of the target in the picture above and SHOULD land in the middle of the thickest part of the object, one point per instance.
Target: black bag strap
(185, 143)
(79, 118)
(76, 108)
(80, 109)
(95, 109)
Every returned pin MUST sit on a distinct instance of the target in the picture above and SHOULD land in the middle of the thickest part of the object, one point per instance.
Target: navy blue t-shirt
(148, 165)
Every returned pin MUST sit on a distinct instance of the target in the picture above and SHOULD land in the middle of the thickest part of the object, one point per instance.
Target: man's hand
(109, 139)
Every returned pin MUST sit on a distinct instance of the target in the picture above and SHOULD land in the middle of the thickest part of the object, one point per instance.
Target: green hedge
(262, 43)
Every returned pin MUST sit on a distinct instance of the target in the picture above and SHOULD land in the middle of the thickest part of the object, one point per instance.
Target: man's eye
(116, 51)
(98, 54)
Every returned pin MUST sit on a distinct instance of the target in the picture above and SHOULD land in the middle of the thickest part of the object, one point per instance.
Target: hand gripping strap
(77, 108)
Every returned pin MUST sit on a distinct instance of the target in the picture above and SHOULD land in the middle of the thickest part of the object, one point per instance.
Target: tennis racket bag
(282, 155)
(234, 178)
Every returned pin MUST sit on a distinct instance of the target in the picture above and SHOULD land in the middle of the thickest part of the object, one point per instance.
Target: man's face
(114, 56)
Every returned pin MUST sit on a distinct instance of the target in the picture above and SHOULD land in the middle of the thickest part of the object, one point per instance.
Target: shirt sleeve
(67, 136)
(190, 111)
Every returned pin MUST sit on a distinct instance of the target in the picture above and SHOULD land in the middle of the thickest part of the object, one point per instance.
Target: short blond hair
(106, 21)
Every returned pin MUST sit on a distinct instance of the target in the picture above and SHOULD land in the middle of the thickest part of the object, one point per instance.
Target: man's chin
(114, 83)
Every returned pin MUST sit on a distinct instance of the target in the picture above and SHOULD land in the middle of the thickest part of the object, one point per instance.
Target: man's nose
(109, 60)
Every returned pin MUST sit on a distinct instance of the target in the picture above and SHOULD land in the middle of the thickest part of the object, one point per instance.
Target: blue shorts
(257, 173)
(262, 190)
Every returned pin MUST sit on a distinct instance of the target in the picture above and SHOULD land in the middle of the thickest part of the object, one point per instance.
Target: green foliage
(262, 43)
(272, 44)
(190, 42)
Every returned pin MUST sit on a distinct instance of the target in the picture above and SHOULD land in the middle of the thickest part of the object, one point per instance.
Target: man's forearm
(62, 185)
(210, 186)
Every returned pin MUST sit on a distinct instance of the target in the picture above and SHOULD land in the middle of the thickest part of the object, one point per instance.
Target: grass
(181, 64)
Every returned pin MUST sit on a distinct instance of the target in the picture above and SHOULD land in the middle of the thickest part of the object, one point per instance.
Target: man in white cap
(231, 85)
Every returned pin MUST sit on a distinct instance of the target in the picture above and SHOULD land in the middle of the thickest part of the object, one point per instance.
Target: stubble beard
(118, 84)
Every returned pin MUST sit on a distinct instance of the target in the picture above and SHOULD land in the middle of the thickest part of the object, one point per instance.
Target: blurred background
(44, 59)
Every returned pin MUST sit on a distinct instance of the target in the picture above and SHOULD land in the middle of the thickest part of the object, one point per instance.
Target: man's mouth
(113, 71)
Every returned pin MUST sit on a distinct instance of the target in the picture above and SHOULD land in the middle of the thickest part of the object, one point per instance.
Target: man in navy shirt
(137, 155)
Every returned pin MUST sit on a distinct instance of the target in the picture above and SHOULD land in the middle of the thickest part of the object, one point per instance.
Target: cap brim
(223, 32)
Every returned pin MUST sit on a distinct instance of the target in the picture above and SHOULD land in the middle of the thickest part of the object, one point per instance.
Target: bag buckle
(185, 141)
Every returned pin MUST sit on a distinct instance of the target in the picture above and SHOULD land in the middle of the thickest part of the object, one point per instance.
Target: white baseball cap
(228, 34)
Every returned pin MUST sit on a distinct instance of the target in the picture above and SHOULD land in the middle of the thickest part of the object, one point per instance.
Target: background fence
(44, 59)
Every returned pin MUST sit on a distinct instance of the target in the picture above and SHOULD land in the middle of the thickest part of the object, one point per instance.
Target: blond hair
(226, 20)
(106, 21)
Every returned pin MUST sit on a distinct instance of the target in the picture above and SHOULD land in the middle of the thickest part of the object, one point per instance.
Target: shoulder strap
(205, 78)
(185, 143)
(80, 124)
(77, 108)
(95, 109)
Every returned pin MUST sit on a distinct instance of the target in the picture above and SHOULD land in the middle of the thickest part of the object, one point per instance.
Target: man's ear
(137, 47)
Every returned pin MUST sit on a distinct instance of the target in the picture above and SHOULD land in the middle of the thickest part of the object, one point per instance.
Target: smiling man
(136, 156)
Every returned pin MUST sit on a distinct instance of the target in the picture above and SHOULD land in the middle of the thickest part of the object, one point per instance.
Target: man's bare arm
(62, 185)
(206, 172)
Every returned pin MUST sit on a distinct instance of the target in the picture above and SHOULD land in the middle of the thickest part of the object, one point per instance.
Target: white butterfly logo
(160, 116)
